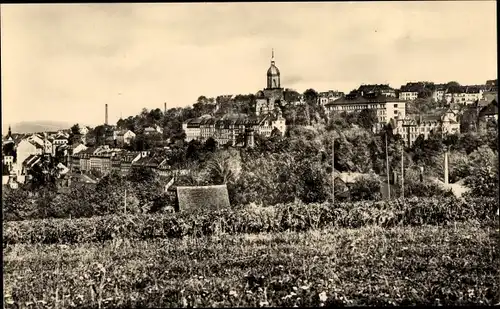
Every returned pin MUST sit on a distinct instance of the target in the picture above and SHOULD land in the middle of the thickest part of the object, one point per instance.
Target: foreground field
(366, 266)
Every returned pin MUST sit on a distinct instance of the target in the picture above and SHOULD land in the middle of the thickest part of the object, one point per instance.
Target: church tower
(273, 75)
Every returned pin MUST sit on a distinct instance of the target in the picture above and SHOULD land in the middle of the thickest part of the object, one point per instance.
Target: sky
(65, 62)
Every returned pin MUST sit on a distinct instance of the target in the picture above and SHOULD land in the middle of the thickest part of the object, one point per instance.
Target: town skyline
(70, 67)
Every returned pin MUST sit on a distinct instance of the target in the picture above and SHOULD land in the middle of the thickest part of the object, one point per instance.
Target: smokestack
(446, 166)
(106, 115)
(165, 108)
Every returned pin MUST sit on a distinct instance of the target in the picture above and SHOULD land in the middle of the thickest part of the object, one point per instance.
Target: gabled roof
(203, 197)
(413, 87)
(490, 110)
(375, 88)
(31, 160)
(149, 161)
(355, 98)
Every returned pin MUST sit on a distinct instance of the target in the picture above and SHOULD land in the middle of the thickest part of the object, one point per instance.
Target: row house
(465, 95)
(411, 127)
(378, 89)
(439, 92)
(232, 128)
(122, 161)
(413, 90)
(329, 96)
(387, 107)
(157, 164)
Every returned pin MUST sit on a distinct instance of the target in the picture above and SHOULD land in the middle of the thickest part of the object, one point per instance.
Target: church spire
(10, 132)
(272, 56)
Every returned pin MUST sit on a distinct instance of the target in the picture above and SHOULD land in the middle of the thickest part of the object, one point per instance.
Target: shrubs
(292, 217)
(332, 267)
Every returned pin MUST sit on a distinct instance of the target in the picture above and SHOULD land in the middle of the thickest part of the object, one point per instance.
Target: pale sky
(64, 62)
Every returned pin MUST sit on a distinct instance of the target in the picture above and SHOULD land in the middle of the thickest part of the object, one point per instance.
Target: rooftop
(203, 197)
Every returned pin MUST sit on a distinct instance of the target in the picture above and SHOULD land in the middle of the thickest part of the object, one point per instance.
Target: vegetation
(283, 217)
(425, 265)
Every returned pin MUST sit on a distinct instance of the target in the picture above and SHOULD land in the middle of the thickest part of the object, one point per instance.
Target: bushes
(293, 217)
(331, 267)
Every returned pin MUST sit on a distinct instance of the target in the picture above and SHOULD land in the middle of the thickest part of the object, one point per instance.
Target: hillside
(35, 126)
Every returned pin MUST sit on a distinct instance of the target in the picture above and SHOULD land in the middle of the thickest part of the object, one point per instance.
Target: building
(42, 141)
(387, 107)
(464, 95)
(60, 139)
(233, 128)
(414, 90)
(382, 89)
(329, 96)
(150, 130)
(492, 85)
(439, 92)
(273, 95)
(125, 137)
(24, 150)
(411, 127)
(9, 151)
(489, 112)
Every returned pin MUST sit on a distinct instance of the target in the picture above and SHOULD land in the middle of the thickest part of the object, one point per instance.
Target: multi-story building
(232, 128)
(24, 150)
(382, 89)
(329, 96)
(464, 95)
(489, 112)
(439, 92)
(101, 163)
(412, 126)
(413, 90)
(387, 107)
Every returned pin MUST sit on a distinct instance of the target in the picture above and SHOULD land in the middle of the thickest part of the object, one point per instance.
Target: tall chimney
(106, 115)
(165, 108)
(446, 166)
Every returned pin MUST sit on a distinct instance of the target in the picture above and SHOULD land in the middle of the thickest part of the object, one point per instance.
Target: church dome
(273, 70)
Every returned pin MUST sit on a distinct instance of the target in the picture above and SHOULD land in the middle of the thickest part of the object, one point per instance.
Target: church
(273, 95)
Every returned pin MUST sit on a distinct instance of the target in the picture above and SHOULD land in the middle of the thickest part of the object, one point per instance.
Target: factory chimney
(106, 114)
(165, 108)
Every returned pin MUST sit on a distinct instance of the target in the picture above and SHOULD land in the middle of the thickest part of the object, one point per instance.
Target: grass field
(365, 266)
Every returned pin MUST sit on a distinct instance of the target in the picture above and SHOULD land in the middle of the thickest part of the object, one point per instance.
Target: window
(395, 106)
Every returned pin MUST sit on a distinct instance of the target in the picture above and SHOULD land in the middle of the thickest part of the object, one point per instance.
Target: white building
(25, 149)
(328, 97)
(387, 107)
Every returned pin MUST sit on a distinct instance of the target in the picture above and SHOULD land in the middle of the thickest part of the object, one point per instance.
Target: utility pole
(387, 167)
(125, 199)
(333, 171)
(402, 173)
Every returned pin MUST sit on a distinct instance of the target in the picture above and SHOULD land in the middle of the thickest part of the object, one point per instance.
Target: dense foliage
(283, 217)
(425, 265)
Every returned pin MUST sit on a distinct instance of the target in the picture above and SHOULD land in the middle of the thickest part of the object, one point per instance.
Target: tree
(367, 118)
(43, 174)
(365, 188)
(210, 144)
(311, 97)
(291, 95)
(75, 129)
(224, 168)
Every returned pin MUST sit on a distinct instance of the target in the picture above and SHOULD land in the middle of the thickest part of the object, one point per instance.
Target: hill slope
(35, 126)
